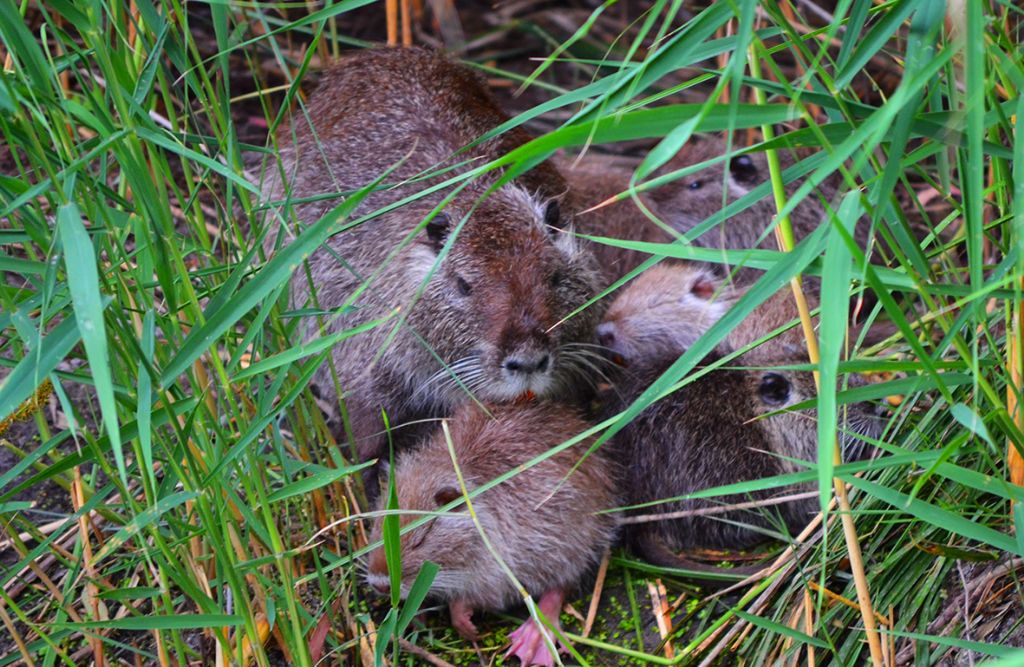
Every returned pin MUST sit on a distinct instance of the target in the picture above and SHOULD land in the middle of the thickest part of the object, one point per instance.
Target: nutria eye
(774, 389)
(446, 495)
(695, 185)
(464, 287)
(743, 169)
(557, 278)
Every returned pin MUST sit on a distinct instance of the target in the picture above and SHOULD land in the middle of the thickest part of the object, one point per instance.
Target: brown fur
(713, 432)
(548, 541)
(501, 291)
(594, 178)
(689, 201)
(663, 311)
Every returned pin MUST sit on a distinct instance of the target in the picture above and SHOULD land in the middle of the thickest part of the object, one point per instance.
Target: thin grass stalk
(784, 237)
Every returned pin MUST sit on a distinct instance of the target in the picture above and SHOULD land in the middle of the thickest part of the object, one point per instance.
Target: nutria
(544, 522)
(663, 311)
(687, 202)
(594, 178)
(492, 312)
(711, 432)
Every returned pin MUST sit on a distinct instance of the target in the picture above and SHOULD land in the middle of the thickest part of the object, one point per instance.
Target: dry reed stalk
(77, 500)
(406, 24)
(1014, 462)
(784, 238)
(659, 605)
(595, 598)
(13, 633)
(809, 626)
(391, 16)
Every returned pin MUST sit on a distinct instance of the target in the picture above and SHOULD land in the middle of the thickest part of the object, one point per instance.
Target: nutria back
(544, 522)
(477, 279)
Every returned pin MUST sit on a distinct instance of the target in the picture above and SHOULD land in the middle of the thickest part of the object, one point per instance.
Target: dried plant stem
(391, 16)
(809, 625)
(406, 24)
(595, 598)
(784, 236)
(1014, 462)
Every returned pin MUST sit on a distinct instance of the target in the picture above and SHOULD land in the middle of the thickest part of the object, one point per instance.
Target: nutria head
(495, 308)
(663, 311)
(545, 523)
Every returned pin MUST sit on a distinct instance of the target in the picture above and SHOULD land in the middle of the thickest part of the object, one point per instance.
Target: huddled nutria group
(475, 299)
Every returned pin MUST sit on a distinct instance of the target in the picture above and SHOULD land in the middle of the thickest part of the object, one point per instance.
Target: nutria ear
(703, 288)
(743, 169)
(553, 215)
(437, 230)
(446, 495)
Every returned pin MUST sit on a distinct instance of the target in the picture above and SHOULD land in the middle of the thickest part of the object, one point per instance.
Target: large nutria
(728, 426)
(492, 313)
(663, 311)
(545, 523)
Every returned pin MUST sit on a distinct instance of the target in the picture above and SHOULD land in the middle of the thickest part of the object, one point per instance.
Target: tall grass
(206, 501)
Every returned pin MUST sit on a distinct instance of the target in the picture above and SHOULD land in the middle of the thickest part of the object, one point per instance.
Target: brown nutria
(594, 178)
(491, 313)
(663, 311)
(728, 426)
(689, 201)
(544, 523)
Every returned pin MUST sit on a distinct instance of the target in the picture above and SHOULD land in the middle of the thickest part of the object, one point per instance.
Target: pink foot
(528, 640)
(462, 619)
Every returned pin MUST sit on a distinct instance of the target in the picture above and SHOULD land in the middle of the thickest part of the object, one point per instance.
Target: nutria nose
(606, 334)
(525, 365)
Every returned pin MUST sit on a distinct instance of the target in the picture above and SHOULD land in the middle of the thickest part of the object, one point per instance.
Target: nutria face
(772, 390)
(662, 312)
(449, 540)
(692, 199)
(493, 311)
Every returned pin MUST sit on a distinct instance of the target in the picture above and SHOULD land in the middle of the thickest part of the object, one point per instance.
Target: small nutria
(593, 179)
(663, 311)
(689, 201)
(493, 312)
(544, 523)
(714, 431)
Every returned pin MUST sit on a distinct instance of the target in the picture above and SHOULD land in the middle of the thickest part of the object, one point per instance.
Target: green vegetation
(190, 502)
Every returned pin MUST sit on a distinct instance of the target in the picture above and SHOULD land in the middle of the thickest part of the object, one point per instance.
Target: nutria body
(714, 431)
(543, 522)
(663, 311)
(490, 312)
(593, 178)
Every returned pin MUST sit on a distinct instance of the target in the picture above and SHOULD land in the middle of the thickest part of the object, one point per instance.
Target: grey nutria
(546, 523)
(730, 425)
(663, 311)
(494, 313)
